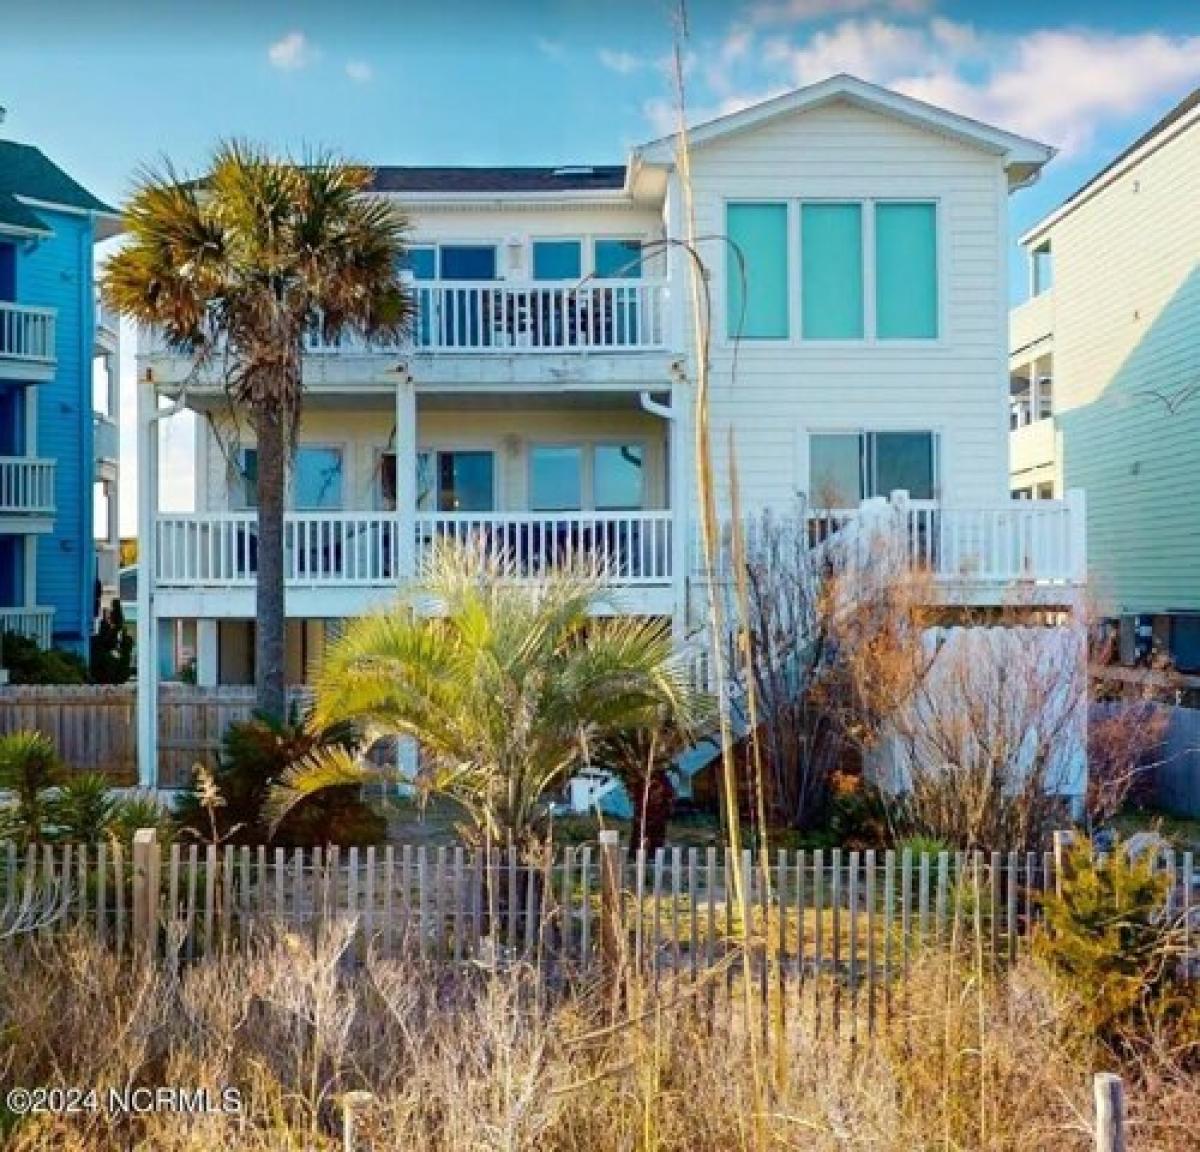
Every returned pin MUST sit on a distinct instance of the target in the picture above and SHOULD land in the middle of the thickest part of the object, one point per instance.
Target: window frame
(587, 472)
(241, 504)
(584, 253)
(867, 454)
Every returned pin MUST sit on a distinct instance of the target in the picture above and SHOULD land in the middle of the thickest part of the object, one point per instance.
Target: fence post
(1109, 1095)
(1063, 843)
(145, 892)
(611, 926)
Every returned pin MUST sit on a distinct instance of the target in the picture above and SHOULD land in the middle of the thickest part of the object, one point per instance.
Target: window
(846, 467)
(421, 262)
(906, 290)
(1041, 270)
(757, 286)
(831, 270)
(452, 481)
(468, 262)
(557, 259)
(555, 478)
(618, 259)
(617, 476)
(316, 479)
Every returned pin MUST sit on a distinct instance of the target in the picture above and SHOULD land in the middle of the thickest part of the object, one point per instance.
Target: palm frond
(331, 767)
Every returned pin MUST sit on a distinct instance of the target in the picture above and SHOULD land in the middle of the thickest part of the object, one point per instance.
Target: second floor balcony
(26, 487)
(27, 334)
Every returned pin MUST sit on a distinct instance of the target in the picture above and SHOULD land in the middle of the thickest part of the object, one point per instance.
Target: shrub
(26, 663)
(1108, 936)
(141, 810)
(29, 766)
(254, 756)
(112, 648)
(858, 813)
(83, 810)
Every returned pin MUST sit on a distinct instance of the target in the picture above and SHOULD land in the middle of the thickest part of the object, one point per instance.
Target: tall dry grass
(467, 1060)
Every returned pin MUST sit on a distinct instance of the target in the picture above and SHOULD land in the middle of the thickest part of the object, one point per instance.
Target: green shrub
(83, 810)
(26, 663)
(111, 649)
(141, 810)
(1107, 936)
(254, 756)
(29, 767)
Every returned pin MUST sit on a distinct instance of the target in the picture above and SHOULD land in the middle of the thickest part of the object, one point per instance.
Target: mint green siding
(759, 233)
(906, 288)
(831, 269)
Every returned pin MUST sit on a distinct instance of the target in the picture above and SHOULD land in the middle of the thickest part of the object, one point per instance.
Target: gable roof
(573, 178)
(1023, 158)
(27, 175)
(1184, 115)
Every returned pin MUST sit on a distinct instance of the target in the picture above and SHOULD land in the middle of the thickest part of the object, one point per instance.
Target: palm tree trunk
(269, 684)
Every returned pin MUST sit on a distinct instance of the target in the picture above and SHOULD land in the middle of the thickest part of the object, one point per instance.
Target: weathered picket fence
(859, 916)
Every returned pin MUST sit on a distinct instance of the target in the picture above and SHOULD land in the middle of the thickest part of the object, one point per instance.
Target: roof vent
(576, 170)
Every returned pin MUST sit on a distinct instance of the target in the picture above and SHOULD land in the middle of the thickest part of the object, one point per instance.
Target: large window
(846, 467)
(454, 481)
(618, 259)
(757, 285)
(316, 480)
(831, 270)
(839, 243)
(906, 282)
(600, 477)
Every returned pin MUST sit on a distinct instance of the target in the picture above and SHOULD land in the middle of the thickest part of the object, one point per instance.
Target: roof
(27, 174)
(15, 217)
(1189, 104)
(573, 178)
(1023, 158)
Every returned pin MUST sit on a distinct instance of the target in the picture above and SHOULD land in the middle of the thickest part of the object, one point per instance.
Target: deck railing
(344, 549)
(27, 333)
(36, 623)
(26, 485)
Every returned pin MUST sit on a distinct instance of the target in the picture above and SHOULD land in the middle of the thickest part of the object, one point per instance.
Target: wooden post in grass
(611, 925)
(1109, 1095)
(145, 892)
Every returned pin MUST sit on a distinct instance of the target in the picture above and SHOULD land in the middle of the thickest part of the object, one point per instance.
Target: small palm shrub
(29, 766)
(84, 809)
(254, 756)
(140, 810)
(1109, 935)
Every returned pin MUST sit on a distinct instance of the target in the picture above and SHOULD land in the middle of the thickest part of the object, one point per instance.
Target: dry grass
(465, 1061)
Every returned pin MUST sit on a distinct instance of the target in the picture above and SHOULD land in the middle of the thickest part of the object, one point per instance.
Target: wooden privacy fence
(860, 917)
(94, 727)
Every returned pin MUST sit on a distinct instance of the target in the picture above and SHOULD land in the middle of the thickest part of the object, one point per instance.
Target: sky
(106, 87)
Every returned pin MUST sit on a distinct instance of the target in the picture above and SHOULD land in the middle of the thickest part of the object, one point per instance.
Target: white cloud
(623, 63)
(292, 52)
(1060, 86)
(360, 71)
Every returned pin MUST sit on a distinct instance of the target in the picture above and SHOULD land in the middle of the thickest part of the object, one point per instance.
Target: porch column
(31, 420)
(682, 484)
(406, 476)
(29, 576)
(207, 674)
(147, 640)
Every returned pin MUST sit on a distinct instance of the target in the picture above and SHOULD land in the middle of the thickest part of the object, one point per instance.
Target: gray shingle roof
(27, 171)
(575, 178)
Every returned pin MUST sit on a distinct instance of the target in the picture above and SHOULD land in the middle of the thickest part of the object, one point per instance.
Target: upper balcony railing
(26, 486)
(26, 333)
(495, 317)
(36, 623)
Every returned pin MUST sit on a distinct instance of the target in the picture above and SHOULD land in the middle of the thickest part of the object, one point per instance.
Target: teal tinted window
(757, 309)
(904, 460)
(246, 493)
(421, 262)
(906, 290)
(317, 478)
(617, 476)
(835, 470)
(618, 259)
(555, 478)
(831, 269)
(556, 260)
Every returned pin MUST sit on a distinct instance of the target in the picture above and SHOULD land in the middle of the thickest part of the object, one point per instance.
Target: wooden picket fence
(860, 917)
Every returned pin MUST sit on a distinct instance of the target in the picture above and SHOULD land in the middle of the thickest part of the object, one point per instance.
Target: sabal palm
(235, 271)
(505, 688)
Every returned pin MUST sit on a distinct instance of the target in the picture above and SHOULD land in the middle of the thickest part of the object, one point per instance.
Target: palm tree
(235, 271)
(505, 689)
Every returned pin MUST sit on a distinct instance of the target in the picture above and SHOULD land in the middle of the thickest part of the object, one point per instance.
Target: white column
(31, 420)
(681, 500)
(406, 475)
(147, 641)
(207, 666)
(30, 580)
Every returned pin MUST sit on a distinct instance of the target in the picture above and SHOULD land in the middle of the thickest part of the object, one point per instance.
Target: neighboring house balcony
(1032, 322)
(108, 326)
(490, 334)
(26, 342)
(342, 563)
(26, 494)
(106, 438)
(36, 623)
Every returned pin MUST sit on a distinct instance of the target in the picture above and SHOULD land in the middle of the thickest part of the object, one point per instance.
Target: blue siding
(58, 273)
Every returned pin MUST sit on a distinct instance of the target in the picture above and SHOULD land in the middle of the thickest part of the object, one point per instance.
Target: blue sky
(105, 87)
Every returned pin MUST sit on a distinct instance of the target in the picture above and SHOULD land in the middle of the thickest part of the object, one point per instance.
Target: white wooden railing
(26, 485)
(220, 550)
(36, 623)
(27, 333)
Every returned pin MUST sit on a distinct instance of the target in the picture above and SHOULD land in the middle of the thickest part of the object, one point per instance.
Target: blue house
(50, 380)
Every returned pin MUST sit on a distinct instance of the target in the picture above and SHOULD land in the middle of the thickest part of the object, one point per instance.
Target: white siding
(955, 385)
